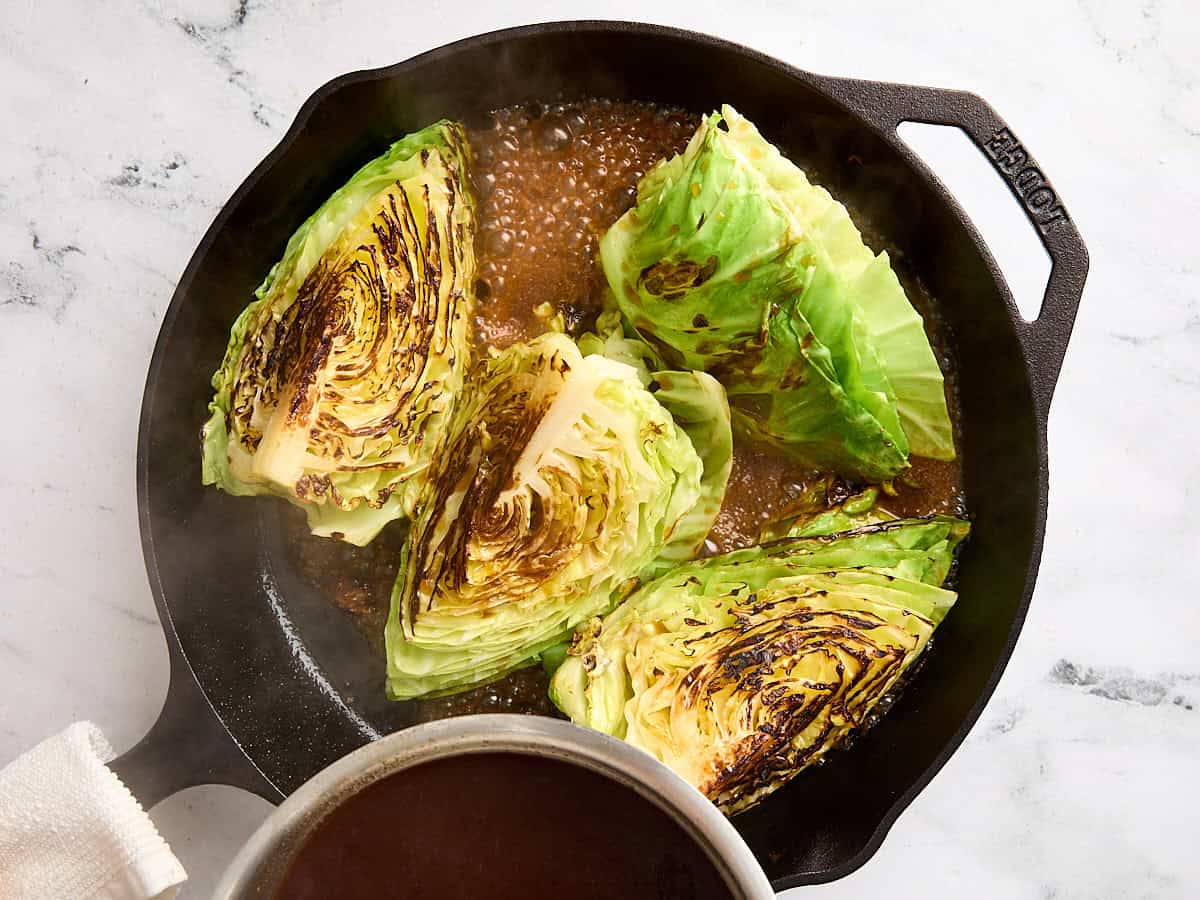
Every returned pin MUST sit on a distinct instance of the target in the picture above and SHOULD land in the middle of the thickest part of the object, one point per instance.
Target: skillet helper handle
(187, 746)
(1044, 340)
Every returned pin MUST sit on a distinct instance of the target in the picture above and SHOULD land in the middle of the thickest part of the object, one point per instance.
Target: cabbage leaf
(732, 262)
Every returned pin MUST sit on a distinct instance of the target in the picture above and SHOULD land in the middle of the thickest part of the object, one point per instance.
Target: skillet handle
(1044, 340)
(187, 746)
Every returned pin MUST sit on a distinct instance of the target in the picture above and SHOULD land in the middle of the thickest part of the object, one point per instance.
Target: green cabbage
(697, 403)
(563, 482)
(733, 263)
(339, 378)
(739, 670)
(827, 508)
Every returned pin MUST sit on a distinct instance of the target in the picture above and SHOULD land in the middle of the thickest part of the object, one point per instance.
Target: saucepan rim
(498, 732)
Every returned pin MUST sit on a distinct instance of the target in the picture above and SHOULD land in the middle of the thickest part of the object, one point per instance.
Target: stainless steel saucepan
(260, 866)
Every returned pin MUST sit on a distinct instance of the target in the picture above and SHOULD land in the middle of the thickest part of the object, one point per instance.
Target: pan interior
(291, 677)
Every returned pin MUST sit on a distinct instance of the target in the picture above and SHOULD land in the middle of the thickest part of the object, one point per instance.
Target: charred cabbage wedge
(739, 670)
(340, 377)
(564, 480)
(734, 263)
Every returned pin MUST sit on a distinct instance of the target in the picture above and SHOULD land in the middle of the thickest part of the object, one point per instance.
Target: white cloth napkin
(70, 830)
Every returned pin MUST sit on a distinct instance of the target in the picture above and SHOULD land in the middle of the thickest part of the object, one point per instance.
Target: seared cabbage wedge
(740, 670)
(564, 480)
(734, 263)
(340, 377)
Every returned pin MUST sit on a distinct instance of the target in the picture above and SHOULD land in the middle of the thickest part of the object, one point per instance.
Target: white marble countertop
(127, 125)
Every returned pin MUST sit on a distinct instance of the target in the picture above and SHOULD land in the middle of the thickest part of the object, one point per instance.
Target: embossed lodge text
(1026, 178)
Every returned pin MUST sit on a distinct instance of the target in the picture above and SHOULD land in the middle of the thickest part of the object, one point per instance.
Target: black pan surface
(270, 684)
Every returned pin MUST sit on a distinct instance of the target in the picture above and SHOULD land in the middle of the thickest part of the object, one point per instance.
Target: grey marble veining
(127, 125)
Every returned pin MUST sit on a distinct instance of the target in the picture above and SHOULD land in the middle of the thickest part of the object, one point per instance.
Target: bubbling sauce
(499, 826)
(762, 484)
(549, 181)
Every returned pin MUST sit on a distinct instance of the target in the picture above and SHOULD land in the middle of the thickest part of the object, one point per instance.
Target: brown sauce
(929, 487)
(499, 826)
(357, 580)
(550, 180)
(524, 691)
(762, 484)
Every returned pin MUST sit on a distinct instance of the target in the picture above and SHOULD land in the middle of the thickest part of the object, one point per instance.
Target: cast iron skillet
(270, 685)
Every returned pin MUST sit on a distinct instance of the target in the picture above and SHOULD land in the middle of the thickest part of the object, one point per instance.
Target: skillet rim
(822, 84)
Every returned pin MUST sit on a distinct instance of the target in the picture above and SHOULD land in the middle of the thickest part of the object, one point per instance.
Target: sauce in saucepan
(499, 826)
